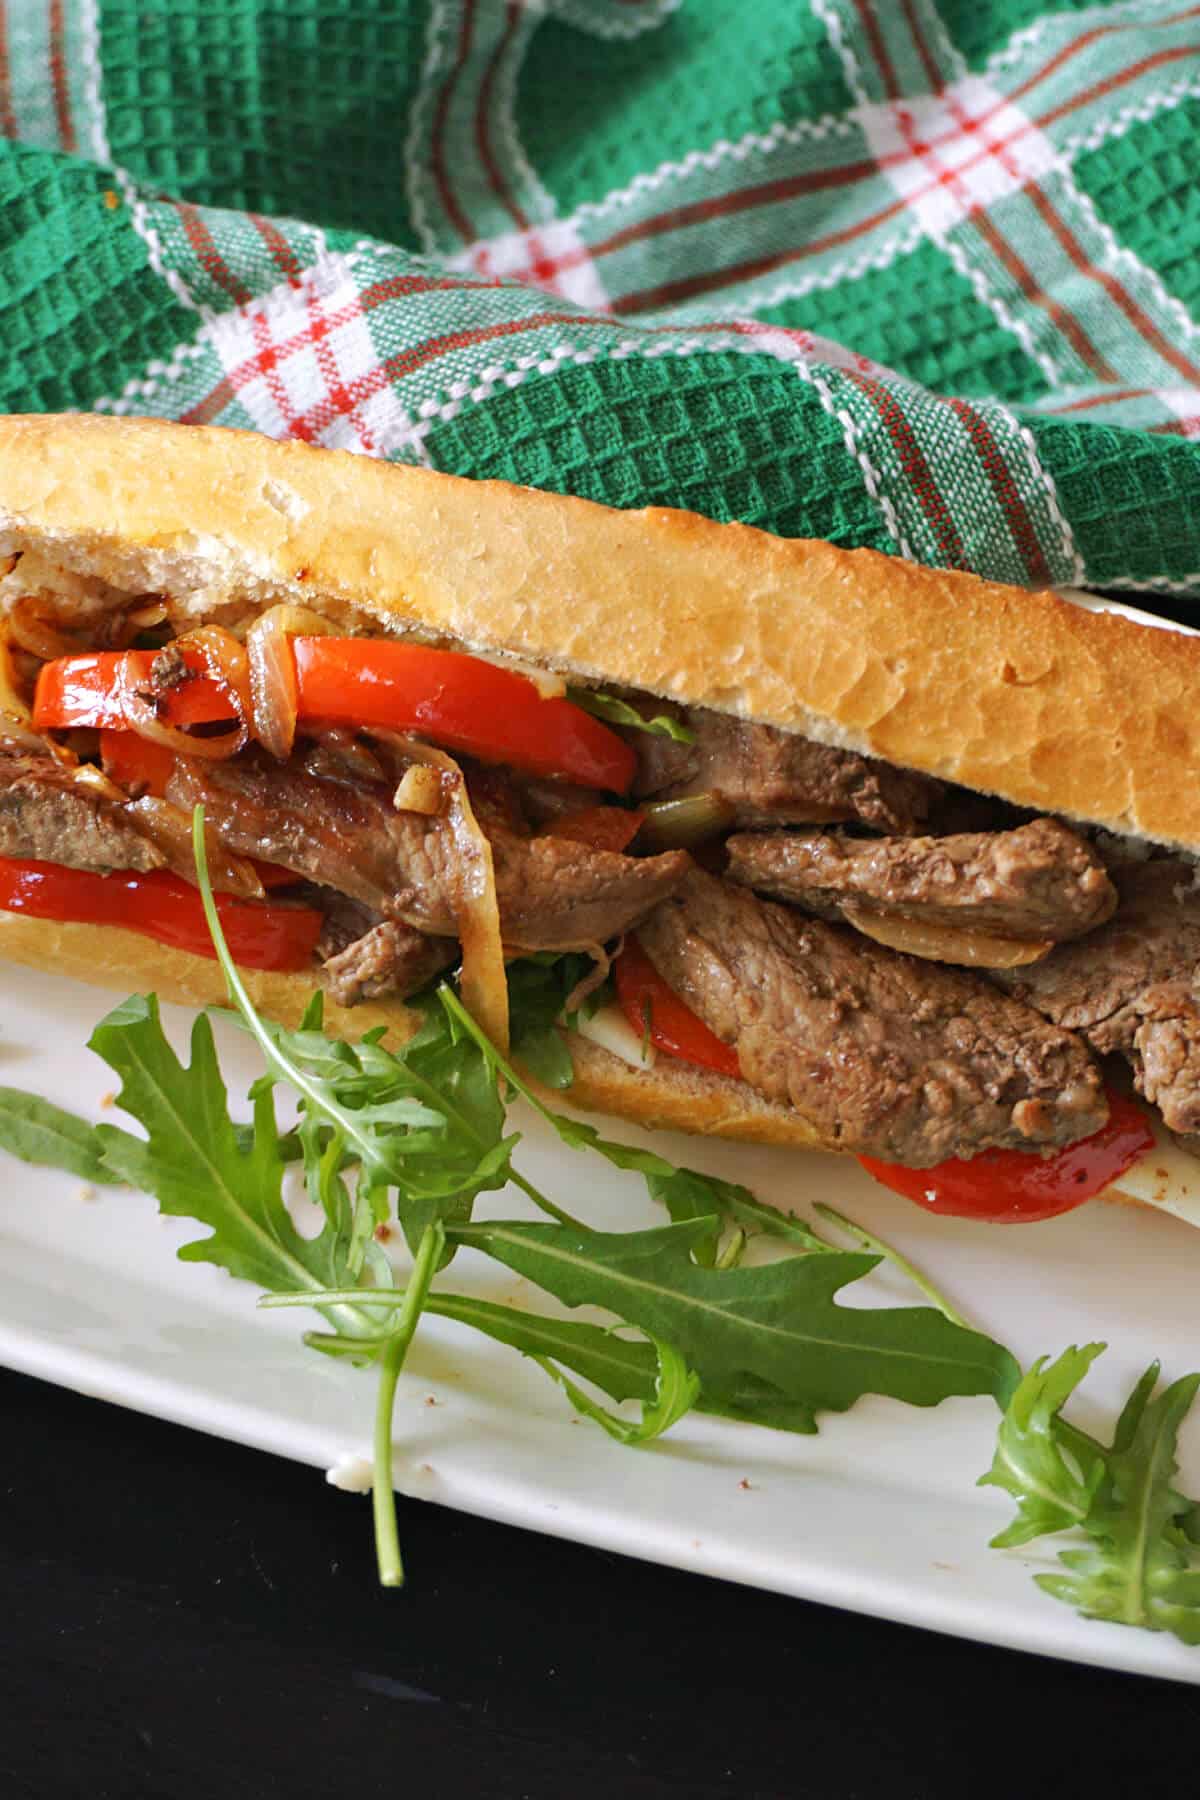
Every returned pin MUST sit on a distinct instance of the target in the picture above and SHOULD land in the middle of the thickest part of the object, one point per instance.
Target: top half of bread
(1024, 695)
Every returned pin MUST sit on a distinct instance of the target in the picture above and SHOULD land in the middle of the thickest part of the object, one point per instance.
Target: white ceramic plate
(879, 1513)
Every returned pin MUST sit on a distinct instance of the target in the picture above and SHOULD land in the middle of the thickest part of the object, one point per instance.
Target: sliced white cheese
(1167, 1177)
(609, 1028)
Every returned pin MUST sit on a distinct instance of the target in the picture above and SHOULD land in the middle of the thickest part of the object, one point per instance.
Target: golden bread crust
(1020, 694)
(671, 1096)
(108, 957)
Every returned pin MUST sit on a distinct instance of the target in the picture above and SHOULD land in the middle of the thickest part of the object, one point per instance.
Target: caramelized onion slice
(273, 690)
(946, 943)
(169, 829)
(477, 910)
(224, 660)
(16, 720)
(596, 976)
(338, 755)
(32, 631)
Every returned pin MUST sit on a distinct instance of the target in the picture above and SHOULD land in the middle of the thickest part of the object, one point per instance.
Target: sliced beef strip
(46, 815)
(774, 777)
(554, 894)
(391, 959)
(1131, 987)
(369, 958)
(345, 921)
(1039, 881)
(888, 1056)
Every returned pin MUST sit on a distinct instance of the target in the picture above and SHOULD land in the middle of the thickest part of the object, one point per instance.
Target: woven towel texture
(919, 274)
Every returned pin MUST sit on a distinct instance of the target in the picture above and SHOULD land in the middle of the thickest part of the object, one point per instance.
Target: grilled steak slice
(554, 894)
(887, 1055)
(1132, 986)
(1039, 881)
(775, 777)
(389, 959)
(47, 815)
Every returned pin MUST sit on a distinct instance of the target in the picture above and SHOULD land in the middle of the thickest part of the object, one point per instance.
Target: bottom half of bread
(673, 1096)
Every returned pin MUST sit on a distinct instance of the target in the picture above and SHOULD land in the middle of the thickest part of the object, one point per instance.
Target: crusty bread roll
(671, 1095)
(1023, 695)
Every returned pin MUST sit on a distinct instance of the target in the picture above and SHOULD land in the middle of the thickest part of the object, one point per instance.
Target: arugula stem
(869, 1241)
(291, 1073)
(540, 1199)
(731, 1255)
(383, 1493)
(454, 1006)
(438, 1098)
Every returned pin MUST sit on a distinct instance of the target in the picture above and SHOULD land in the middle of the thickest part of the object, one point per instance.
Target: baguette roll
(1064, 708)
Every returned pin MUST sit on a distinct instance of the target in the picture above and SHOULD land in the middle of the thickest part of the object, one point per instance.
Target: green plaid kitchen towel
(920, 274)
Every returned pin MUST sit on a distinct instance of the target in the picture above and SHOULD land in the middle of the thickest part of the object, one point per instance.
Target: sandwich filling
(925, 973)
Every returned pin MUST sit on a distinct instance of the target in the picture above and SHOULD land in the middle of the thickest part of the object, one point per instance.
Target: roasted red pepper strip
(1014, 1187)
(162, 906)
(460, 702)
(455, 700)
(648, 1002)
(86, 691)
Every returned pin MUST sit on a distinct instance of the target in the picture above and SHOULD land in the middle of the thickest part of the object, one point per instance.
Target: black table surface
(182, 1617)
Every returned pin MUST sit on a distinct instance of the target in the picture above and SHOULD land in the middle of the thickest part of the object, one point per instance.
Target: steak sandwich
(853, 855)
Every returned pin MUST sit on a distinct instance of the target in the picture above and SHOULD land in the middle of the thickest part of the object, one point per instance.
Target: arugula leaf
(1053, 1488)
(387, 1115)
(1139, 1571)
(577, 1134)
(538, 991)
(190, 1160)
(623, 1368)
(687, 1194)
(1140, 1567)
(39, 1132)
(619, 712)
(689, 1197)
(778, 1323)
(867, 1240)
(676, 1389)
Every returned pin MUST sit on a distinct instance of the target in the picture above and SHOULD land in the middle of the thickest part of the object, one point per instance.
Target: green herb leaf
(777, 1323)
(689, 1197)
(619, 712)
(623, 1368)
(190, 1160)
(391, 1362)
(538, 991)
(1053, 1488)
(412, 1121)
(39, 1132)
(676, 1388)
(1140, 1567)
(1139, 1570)
(687, 1194)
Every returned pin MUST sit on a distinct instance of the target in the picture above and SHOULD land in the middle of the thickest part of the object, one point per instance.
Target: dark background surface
(180, 1617)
